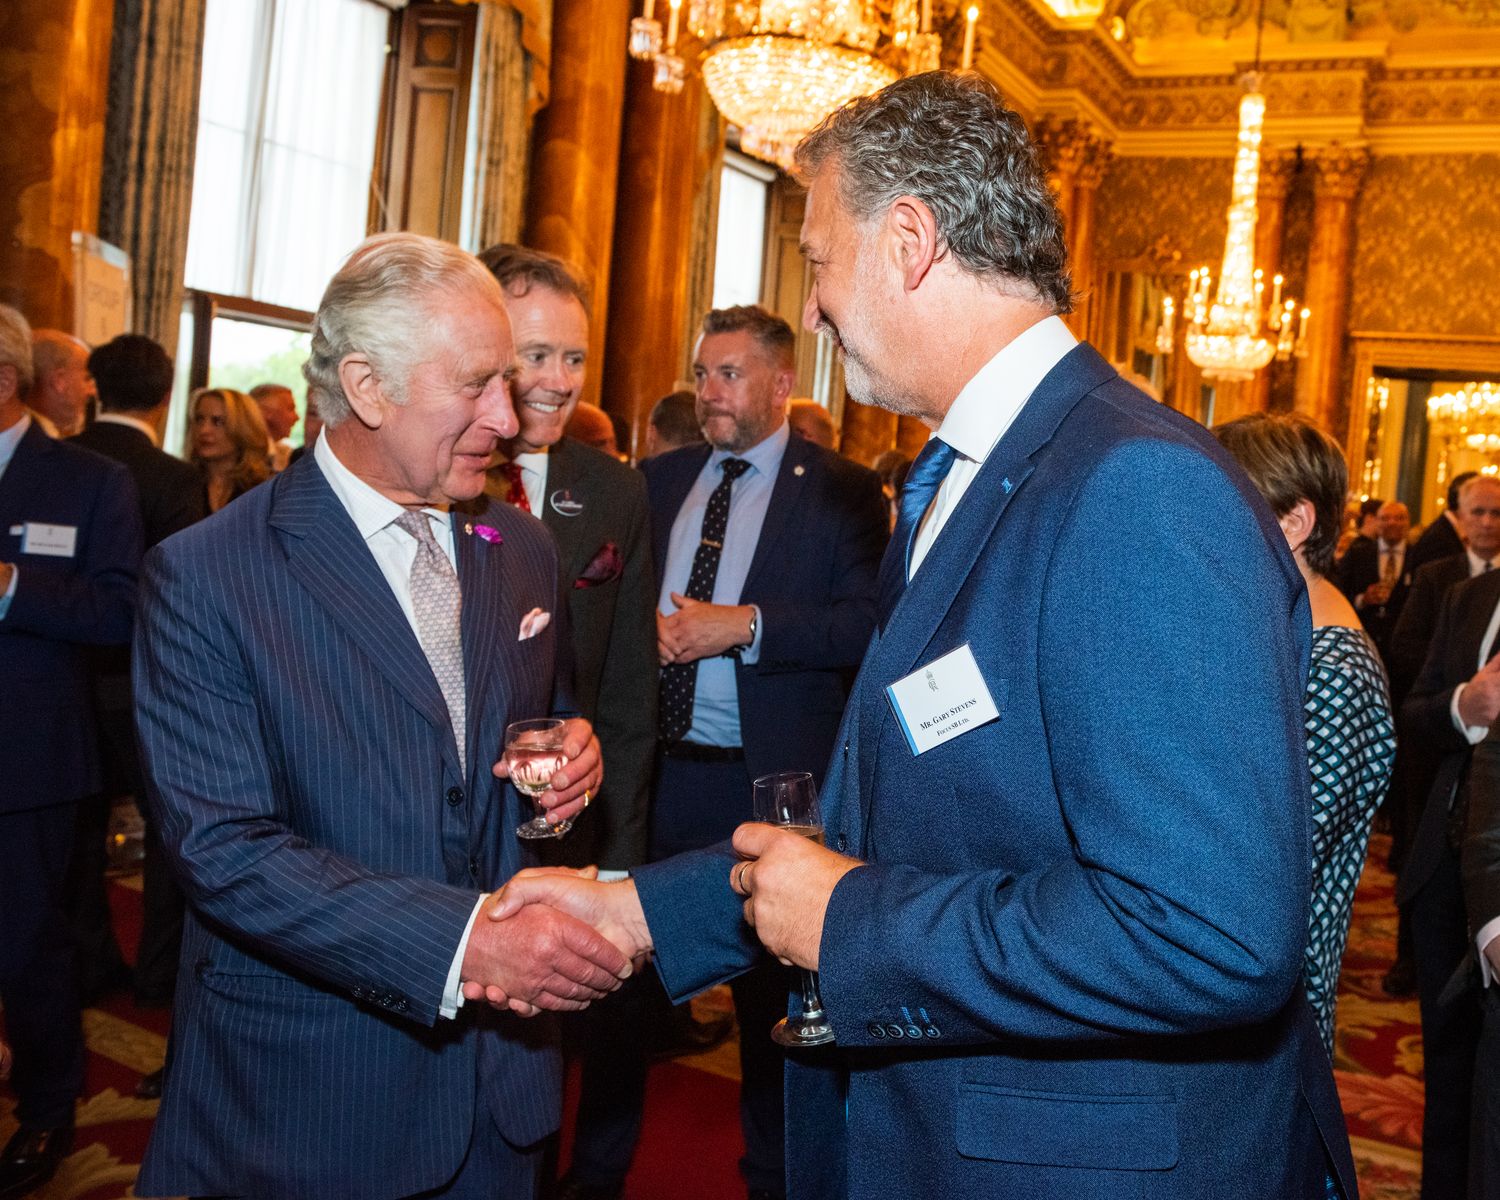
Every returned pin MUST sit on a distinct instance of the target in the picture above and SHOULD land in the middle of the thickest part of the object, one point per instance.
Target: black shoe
(1401, 980)
(149, 1087)
(569, 1188)
(30, 1158)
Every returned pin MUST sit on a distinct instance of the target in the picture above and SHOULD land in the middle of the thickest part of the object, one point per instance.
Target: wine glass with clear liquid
(534, 754)
(789, 799)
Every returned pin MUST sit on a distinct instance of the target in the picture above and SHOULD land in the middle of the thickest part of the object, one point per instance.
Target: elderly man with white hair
(324, 674)
(61, 386)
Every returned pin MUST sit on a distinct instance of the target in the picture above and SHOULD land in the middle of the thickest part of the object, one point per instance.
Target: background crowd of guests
(741, 539)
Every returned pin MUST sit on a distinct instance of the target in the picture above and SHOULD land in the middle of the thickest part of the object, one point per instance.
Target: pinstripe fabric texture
(310, 790)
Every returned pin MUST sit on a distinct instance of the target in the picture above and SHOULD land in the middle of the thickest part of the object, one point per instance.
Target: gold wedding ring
(739, 878)
(586, 797)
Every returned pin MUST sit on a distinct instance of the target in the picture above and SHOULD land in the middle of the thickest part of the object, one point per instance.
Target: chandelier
(1235, 331)
(1470, 415)
(776, 68)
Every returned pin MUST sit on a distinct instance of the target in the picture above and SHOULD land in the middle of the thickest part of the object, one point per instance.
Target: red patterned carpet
(692, 1142)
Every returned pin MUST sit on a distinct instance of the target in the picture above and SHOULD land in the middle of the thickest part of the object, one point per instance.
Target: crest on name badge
(563, 503)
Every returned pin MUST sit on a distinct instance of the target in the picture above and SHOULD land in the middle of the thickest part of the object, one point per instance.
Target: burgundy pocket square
(607, 565)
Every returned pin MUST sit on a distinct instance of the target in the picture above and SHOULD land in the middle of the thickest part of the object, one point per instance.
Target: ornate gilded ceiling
(1162, 77)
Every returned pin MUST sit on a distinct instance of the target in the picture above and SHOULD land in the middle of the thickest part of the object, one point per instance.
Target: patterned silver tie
(438, 606)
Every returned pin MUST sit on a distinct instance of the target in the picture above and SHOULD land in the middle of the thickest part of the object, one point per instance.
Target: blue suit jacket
(813, 576)
(1072, 966)
(307, 785)
(49, 754)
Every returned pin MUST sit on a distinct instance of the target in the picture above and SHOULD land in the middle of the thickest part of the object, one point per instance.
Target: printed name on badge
(55, 541)
(942, 700)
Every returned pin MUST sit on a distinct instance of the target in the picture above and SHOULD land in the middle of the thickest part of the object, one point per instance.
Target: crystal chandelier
(775, 68)
(1236, 333)
(1470, 415)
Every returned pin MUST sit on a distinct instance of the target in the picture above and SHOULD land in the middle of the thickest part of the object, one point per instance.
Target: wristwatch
(750, 641)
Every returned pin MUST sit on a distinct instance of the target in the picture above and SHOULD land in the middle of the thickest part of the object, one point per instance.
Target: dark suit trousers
(1450, 1032)
(1484, 1143)
(37, 982)
(696, 805)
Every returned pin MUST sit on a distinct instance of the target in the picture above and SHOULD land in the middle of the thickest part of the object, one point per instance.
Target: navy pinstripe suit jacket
(307, 784)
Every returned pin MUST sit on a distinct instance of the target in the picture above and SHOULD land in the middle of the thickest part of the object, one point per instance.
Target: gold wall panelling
(54, 64)
(1427, 246)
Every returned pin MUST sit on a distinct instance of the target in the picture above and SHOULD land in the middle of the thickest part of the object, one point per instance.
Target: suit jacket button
(876, 1029)
(932, 1031)
(455, 796)
(474, 867)
(841, 843)
(895, 1031)
(914, 1031)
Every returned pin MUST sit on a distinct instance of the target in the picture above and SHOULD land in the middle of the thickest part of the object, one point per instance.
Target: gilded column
(1064, 143)
(576, 151)
(54, 78)
(663, 234)
(1080, 232)
(1338, 173)
(1276, 173)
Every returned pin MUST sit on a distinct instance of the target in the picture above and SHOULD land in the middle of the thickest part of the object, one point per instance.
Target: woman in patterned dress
(1351, 738)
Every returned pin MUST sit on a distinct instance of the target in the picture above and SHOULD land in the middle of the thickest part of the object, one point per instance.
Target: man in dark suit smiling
(595, 507)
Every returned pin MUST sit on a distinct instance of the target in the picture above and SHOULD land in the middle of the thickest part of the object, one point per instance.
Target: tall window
(286, 139)
(740, 245)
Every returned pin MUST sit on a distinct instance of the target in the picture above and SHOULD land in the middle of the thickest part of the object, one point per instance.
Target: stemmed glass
(534, 754)
(790, 799)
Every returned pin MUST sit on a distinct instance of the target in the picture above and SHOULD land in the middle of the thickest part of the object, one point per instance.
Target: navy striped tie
(922, 483)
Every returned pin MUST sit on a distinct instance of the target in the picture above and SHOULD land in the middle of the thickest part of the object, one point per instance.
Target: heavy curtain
(150, 137)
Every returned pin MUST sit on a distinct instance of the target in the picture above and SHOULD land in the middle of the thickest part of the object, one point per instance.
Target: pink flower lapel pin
(488, 532)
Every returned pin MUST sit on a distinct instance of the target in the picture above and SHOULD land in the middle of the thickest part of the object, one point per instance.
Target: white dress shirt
(534, 477)
(394, 551)
(983, 412)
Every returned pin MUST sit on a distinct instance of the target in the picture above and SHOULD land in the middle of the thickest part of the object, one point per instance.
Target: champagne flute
(789, 799)
(534, 754)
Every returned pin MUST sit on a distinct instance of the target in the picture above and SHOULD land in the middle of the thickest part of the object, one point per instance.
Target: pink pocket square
(607, 565)
(533, 623)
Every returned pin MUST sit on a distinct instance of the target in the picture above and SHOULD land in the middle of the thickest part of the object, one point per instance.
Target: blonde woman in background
(229, 442)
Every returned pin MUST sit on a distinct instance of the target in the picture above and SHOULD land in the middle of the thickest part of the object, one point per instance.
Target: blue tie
(922, 483)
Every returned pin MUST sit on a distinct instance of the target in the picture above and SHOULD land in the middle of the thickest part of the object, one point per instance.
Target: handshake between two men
(557, 938)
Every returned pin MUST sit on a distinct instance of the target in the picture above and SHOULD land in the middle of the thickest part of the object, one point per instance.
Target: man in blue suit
(70, 546)
(1061, 914)
(767, 548)
(324, 673)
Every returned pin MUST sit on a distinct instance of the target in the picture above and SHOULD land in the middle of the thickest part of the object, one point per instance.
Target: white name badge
(58, 541)
(938, 702)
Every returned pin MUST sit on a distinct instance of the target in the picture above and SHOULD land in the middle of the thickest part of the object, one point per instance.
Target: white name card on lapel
(942, 700)
(58, 541)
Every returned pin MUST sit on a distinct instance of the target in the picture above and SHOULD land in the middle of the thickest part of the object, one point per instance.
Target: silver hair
(15, 346)
(1468, 486)
(949, 141)
(379, 304)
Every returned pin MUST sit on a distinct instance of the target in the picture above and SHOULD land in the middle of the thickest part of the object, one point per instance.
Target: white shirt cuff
(1482, 939)
(453, 997)
(613, 876)
(750, 655)
(1473, 733)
